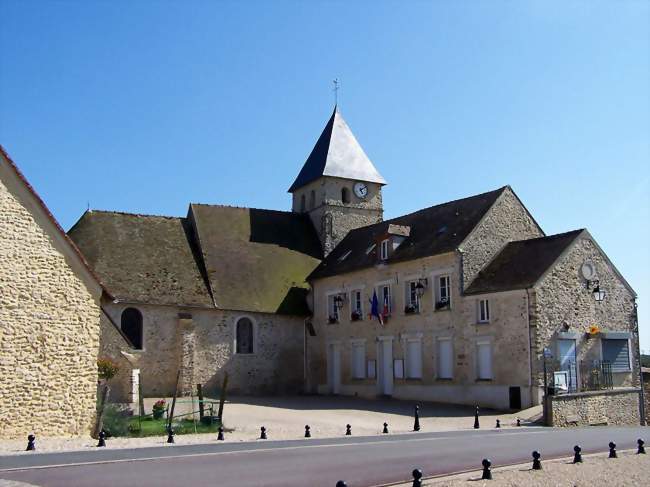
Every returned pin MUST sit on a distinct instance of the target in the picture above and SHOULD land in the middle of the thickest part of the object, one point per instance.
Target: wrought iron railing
(581, 376)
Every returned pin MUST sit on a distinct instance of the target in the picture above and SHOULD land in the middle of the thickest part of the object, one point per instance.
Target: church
(454, 303)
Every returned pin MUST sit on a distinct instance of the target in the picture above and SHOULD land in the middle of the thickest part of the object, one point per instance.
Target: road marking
(280, 448)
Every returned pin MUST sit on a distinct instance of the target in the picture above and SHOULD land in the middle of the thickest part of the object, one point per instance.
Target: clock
(361, 190)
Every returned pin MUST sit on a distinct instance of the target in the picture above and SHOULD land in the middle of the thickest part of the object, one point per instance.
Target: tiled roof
(520, 264)
(435, 230)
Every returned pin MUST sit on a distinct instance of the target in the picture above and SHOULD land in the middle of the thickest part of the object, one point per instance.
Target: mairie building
(460, 302)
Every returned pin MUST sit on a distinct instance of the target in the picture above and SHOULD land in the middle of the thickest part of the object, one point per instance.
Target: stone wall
(49, 322)
(505, 222)
(201, 342)
(113, 346)
(614, 407)
(646, 395)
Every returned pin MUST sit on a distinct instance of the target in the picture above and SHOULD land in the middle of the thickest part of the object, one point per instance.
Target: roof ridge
(550, 237)
(243, 208)
(128, 213)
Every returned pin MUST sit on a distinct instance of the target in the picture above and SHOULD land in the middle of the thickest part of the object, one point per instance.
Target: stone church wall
(201, 342)
(112, 346)
(49, 323)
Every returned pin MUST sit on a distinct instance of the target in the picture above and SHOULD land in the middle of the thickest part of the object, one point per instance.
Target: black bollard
(31, 443)
(170, 435)
(340, 483)
(220, 435)
(537, 465)
(102, 439)
(518, 422)
(577, 458)
(417, 477)
(476, 425)
(487, 474)
(307, 432)
(641, 449)
(385, 431)
(498, 424)
(262, 433)
(348, 430)
(416, 424)
(612, 450)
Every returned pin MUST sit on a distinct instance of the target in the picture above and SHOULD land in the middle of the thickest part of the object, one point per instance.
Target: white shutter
(358, 360)
(484, 353)
(445, 359)
(414, 359)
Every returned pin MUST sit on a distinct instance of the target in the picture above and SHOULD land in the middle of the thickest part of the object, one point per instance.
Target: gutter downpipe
(638, 354)
(530, 348)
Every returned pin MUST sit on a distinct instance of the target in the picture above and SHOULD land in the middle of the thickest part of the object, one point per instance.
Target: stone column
(188, 345)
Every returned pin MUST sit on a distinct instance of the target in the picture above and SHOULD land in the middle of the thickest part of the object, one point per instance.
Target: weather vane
(336, 91)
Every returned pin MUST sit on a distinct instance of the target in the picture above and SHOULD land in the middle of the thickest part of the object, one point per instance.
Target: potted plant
(355, 316)
(159, 409)
(332, 319)
(410, 309)
(442, 304)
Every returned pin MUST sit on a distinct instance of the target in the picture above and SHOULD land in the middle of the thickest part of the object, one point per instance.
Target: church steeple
(338, 186)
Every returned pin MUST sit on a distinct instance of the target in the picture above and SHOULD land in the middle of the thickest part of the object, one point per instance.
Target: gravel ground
(285, 419)
(629, 469)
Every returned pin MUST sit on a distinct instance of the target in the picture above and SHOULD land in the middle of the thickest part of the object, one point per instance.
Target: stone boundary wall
(612, 407)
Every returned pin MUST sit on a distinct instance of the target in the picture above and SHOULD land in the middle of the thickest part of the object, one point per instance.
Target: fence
(580, 376)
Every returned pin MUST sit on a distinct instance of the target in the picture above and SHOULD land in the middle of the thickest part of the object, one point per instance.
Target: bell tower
(338, 186)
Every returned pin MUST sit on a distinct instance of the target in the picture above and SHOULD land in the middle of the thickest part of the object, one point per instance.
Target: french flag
(374, 308)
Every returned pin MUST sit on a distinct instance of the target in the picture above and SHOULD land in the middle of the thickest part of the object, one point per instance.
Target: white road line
(280, 448)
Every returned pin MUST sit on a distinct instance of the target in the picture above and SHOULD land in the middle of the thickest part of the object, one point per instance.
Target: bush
(106, 368)
(116, 420)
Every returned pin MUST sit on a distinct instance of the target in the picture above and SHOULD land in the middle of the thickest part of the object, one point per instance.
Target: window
(244, 336)
(358, 360)
(345, 195)
(386, 299)
(483, 311)
(131, 325)
(616, 351)
(445, 358)
(443, 300)
(412, 298)
(484, 360)
(413, 358)
(312, 199)
(383, 255)
(357, 304)
(302, 203)
(332, 309)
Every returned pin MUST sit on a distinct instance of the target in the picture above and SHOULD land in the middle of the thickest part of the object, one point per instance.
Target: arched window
(131, 326)
(312, 199)
(244, 336)
(345, 195)
(302, 203)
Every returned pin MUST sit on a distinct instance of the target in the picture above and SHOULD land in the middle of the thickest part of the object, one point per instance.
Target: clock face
(361, 190)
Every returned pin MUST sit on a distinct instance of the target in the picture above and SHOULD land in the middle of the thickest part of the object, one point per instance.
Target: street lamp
(598, 293)
(420, 287)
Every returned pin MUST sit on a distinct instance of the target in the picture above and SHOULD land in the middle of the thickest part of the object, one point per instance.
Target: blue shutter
(616, 352)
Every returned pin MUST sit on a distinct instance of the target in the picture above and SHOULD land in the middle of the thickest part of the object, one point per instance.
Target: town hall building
(454, 303)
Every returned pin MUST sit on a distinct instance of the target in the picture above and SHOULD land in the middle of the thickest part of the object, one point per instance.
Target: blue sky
(146, 106)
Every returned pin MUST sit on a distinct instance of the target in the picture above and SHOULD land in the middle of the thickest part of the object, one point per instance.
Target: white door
(566, 349)
(334, 368)
(385, 367)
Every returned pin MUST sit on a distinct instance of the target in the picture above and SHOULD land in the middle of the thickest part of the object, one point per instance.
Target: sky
(146, 106)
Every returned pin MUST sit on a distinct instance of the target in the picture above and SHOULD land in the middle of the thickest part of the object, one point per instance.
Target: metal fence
(580, 376)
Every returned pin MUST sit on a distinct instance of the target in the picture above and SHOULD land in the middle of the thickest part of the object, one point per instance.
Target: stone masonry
(616, 407)
(49, 322)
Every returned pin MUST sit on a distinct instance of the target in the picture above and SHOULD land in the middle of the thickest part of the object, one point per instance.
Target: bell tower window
(345, 195)
(302, 203)
(312, 199)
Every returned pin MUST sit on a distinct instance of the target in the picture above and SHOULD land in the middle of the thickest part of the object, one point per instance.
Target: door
(385, 367)
(334, 368)
(566, 349)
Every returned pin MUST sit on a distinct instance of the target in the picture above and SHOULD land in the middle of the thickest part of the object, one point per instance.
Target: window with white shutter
(484, 360)
(445, 358)
(616, 351)
(358, 360)
(414, 359)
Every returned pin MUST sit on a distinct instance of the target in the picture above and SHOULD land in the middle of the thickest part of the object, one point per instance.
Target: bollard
(307, 432)
(385, 431)
(518, 422)
(498, 424)
(262, 433)
(220, 435)
(487, 474)
(641, 449)
(170, 435)
(476, 425)
(348, 430)
(31, 443)
(417, 477)
(102, 439)
(416, 424)
(340, 483)
(577, 458)
(537, 465)
(612, 450)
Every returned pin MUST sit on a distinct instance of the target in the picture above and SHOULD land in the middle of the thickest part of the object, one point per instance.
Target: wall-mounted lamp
(420, 287)
(598, 293)
(338, 301)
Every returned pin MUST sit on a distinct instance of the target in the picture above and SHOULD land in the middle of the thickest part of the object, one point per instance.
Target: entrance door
(567, 356)
(385, 366)
(334, 368)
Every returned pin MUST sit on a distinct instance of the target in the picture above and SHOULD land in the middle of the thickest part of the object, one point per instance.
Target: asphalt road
(360, 461)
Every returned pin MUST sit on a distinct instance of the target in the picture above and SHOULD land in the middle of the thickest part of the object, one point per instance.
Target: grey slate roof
(338, 154)
(520, 264)
(435, 230)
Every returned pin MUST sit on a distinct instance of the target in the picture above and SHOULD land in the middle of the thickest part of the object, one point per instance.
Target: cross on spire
(336, 91)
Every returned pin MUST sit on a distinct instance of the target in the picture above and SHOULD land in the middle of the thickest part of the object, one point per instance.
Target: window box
(410, 309)
(442, 304)
(355, 316)
(332, 320)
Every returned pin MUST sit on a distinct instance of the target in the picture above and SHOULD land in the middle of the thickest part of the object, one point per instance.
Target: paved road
(361, 461)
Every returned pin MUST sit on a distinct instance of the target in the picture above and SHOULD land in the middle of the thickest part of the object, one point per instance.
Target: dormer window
(383, 249)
